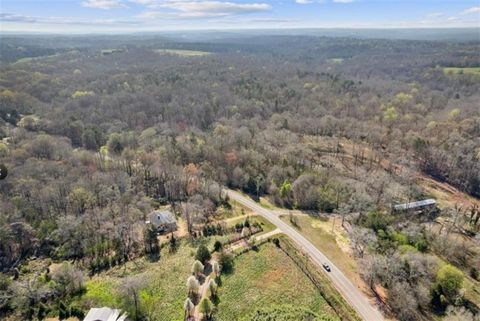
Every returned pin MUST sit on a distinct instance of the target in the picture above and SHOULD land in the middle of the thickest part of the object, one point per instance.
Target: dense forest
(96, 133)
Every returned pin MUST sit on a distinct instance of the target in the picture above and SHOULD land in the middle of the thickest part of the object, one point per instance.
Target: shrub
(203, 254)
(4, 282)
(192, 285)
(226, 262)
(448, 283)
(399, 238)
(238, 227)
(42, 311)
(206, 307)
(217, 246)
(76, 311)
(173, 243)
(422, 245)
(376, 221)
(197, 267)
(62, 311)
(475, 274)
(276, 241)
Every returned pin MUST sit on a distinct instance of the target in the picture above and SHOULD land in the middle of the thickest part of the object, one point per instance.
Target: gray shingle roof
(413, 205)
(161, 217)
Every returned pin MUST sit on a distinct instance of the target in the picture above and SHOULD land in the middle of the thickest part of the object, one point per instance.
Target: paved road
(353, 295)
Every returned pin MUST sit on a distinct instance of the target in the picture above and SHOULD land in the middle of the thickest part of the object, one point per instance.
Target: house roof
(161, 217)
(413, 205)
(105, 314)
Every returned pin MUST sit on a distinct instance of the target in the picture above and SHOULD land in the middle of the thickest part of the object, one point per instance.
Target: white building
(105, 314)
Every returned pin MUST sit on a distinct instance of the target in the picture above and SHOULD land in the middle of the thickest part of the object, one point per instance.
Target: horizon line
(477, 28)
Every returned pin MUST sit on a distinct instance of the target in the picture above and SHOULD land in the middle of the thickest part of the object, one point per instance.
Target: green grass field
(268, 279)
(263, 283)
(236, 210)
(456, 71)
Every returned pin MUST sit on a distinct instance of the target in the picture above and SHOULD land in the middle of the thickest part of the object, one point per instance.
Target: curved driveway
(353, 295)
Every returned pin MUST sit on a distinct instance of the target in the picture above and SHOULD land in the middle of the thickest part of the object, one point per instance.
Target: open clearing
(456, 71)
(268, 278)
(337, 61)
(183, 53)
(445, 194)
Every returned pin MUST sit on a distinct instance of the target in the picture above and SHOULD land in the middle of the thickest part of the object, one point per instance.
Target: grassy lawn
(319, 232)
(236, 210)
(266, 225)
(469, 70)
(268, 279)
(165, 291)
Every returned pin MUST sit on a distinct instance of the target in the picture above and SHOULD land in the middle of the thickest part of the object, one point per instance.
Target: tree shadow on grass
(207, 270)
(153, 257)
(215, 299)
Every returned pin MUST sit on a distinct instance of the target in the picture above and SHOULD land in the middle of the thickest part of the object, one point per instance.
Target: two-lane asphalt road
(353, 295)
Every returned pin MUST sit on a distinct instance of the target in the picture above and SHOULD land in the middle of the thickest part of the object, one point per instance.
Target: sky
(120, 16)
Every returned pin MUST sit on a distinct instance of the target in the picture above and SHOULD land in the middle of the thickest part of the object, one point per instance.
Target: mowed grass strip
(265, 279)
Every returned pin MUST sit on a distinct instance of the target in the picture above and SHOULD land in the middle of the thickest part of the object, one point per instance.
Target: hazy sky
(156, 15)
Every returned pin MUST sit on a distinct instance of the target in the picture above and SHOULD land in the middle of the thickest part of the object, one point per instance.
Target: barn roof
(413, 205)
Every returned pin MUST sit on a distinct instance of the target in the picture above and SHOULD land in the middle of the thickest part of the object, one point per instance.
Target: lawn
(319, 232)
(269, 282)
(265, 224)
(236, 210)
(264, 279)
(164, 293)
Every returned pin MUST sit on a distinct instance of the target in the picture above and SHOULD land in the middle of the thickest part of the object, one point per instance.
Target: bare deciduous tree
(362, 238)
(130, 289)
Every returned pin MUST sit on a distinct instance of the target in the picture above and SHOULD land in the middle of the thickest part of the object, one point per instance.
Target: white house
(105, 314)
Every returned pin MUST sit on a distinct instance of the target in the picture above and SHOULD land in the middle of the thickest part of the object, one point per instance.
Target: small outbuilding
(427, 205)
(105, 314)
(164, 221)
